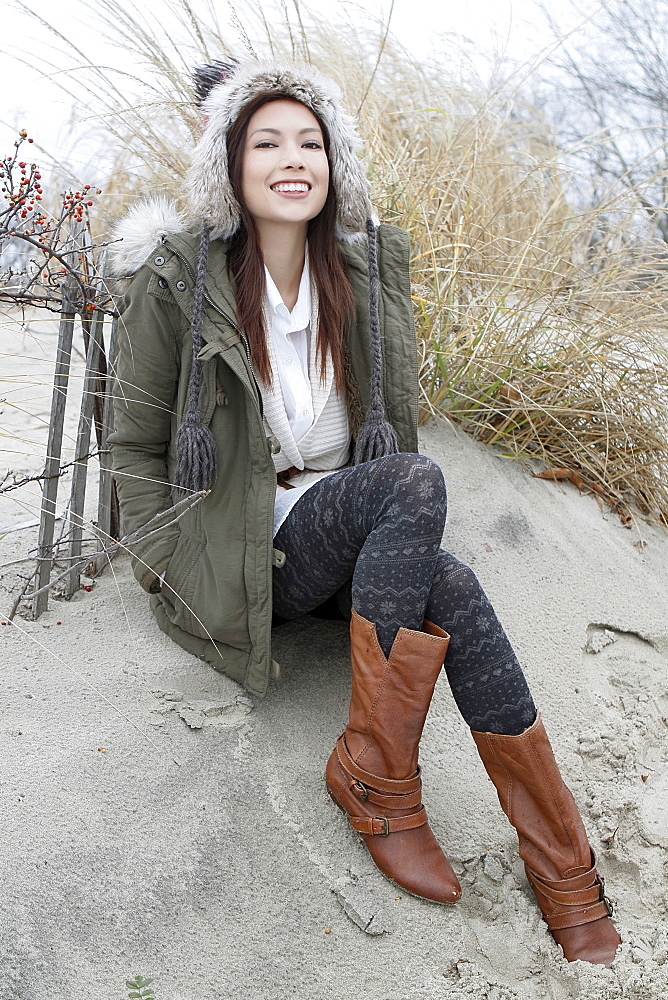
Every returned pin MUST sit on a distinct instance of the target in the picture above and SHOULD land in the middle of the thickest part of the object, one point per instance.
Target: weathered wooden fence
(98, 324)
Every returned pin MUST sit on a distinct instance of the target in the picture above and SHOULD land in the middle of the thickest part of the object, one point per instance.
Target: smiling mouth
(291, 187)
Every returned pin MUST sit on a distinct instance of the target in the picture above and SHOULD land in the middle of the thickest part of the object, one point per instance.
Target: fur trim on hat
(140, 231)
(211, 197)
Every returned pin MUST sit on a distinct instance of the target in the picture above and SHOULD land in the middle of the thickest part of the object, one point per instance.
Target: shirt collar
(300, 317)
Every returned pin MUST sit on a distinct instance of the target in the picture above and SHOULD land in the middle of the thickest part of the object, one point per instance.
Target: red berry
(89, 203)
(86, 187)
(22, 165)
(30, 140)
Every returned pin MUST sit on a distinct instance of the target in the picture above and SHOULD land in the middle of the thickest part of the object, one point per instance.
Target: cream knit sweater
(325, 446)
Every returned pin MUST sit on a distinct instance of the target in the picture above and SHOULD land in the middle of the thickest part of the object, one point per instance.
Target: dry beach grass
(538, 331)
(534, 335)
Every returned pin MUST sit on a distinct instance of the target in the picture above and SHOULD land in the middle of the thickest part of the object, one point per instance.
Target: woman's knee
(457, 577)
(412, 475)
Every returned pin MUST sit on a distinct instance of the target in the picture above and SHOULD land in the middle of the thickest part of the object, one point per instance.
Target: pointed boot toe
(392, 822)
(428, 874)
(595, 942)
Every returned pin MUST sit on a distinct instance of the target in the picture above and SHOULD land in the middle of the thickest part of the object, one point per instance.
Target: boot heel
(336, 802)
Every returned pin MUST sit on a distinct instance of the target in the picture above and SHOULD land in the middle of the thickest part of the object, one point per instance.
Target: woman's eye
(313, 144)
(264, 144)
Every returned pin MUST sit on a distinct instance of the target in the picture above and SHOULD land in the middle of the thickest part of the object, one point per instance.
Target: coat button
(162, 282)
(278, 558)
(181, 285)
(274, 444)
(159, 261)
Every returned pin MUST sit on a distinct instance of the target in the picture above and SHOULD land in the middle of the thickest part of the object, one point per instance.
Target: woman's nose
(293, 159)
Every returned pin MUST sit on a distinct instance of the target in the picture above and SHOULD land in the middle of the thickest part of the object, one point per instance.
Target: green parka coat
(210, 573)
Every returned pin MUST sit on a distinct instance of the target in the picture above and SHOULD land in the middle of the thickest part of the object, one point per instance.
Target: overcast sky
(509, 27)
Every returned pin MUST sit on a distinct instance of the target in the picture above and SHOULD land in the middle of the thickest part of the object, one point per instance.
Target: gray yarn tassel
(195, 444)
(377, 437)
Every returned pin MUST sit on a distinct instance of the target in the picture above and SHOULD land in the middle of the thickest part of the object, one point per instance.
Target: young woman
(267, 356)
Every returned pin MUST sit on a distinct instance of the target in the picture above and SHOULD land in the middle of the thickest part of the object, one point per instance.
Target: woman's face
(284, 171)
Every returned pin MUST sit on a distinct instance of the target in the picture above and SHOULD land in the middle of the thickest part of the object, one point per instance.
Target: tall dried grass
(532, 337)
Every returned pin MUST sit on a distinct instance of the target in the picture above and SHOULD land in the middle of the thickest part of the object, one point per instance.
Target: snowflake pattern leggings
(371, 535)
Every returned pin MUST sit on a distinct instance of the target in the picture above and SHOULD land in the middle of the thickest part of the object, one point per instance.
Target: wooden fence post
(78, 493)
(105, 526)
(70, 292)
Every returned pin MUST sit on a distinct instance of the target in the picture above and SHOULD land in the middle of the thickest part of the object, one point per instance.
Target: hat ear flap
(212, 199)
(353, 192)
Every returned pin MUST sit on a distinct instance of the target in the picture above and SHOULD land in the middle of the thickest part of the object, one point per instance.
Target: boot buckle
(602, 896)
(360, 790)
(385, 831)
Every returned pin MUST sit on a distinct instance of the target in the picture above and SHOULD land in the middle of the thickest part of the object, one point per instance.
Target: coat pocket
(180, 578)
(150, 556)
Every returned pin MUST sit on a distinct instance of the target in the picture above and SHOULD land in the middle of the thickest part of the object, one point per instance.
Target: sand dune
(155, 819)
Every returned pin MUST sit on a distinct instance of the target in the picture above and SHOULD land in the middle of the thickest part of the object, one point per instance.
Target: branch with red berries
(57, 252)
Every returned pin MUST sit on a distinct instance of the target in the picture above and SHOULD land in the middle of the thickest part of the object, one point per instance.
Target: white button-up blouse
(315, 437)
(290, 334)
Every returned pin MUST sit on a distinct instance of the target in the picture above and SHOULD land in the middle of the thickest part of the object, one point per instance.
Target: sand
(155, 819)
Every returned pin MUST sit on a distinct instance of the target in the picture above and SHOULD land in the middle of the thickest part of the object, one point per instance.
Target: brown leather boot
(559, 863)
(373, 773)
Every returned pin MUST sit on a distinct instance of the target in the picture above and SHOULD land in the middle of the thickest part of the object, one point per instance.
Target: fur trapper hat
(211, 197)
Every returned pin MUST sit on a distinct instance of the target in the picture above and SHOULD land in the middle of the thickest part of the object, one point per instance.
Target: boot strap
(571, 902)
(382, 826)
(387, 786)
(387, 793)
(397, 801)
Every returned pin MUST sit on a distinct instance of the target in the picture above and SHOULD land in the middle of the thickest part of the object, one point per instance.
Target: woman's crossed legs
(380, 525)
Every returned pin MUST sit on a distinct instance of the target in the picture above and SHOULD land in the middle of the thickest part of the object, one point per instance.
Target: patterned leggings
(371, 534)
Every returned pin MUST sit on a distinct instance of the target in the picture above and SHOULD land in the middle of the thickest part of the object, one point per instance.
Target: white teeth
(290, 186)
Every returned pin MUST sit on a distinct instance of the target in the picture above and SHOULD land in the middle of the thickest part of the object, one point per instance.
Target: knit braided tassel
(377, 436)
(195, 444)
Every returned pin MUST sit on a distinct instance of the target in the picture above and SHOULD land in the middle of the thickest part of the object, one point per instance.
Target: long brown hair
(246, 265)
